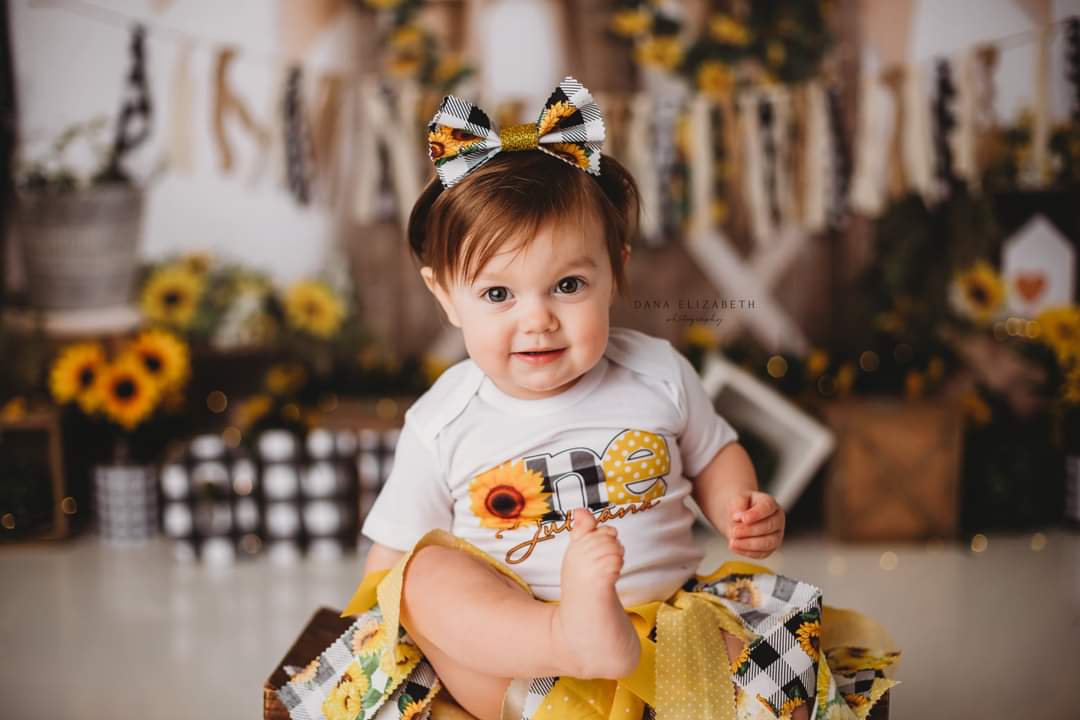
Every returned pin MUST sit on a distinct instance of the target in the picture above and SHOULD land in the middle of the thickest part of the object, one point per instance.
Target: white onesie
(504, 473)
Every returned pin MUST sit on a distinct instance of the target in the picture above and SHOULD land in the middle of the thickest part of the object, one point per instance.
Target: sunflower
(699, 335)
(631, 22)
(725, 29)
(128, 392)
(398, 664)
(552, 116)
(404, 64)
(74, 375)
(508, 495)
(978, 293)
(447, 69)
(13, 410)
(976, 409)
(1070, 387)
(197, 262)
(384, 4)
(285, 379)
(253, 410)
(817, 362)
(307, 674)
(572, 153)
(344, 702)
(742, 590)
(845, 379)
(171, 296)
(407, 37)
(855, 700)
(664, 52)
(1061, 331)
(446, 142)
(411, 709)
(809, 636)
(369, 638)
(790, 706)
(715, 79)
(433, 366)
(313, 307)
(742, 662)
(775, 54)
(163, 355)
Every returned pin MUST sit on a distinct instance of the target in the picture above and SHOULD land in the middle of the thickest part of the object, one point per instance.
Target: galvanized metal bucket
(79, 248)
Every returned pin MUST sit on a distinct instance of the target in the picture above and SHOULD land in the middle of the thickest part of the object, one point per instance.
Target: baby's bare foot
(597, 634)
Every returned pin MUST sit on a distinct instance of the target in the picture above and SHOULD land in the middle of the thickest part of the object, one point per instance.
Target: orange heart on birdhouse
(1030, 285)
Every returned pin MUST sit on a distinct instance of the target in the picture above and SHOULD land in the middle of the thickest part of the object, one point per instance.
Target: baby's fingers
(773, 523)
(765, 543)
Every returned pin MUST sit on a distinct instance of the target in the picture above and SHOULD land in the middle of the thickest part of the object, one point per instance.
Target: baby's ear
(440, 294)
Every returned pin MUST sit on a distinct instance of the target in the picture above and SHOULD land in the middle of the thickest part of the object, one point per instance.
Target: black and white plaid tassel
(296, 146)
(841, 161)
(136, 108)
(1072, 59)
(944, 124)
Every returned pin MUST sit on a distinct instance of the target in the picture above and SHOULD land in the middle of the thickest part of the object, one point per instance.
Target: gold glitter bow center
(519, 137)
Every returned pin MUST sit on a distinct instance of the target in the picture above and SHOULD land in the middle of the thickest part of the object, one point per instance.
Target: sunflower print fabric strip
(461, 137)
(362, 676)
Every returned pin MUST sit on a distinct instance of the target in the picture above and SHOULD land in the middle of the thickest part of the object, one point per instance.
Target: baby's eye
(496, 295)
(570, 285)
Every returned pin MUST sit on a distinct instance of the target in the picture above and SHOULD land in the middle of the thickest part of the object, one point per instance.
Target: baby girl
(562, 448)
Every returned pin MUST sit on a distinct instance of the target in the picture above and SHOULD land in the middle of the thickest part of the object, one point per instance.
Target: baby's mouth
(539, 356)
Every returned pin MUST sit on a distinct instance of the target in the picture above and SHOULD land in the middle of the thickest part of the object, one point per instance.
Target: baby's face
(553, 296)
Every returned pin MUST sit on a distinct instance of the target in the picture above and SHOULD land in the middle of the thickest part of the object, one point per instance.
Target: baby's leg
(479, 629)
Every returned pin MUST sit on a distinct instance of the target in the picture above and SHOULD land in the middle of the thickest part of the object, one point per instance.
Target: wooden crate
(895, 474)
(44, 424)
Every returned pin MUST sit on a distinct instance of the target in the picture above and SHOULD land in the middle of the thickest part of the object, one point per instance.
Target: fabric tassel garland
(944, 123)
(963, 139)
(841, 166)
(641, 161)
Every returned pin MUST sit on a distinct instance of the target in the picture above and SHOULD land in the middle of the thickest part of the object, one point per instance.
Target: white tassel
(917, 139)
(642, 164)
(871, 146)
(817, 166)
(754, 176)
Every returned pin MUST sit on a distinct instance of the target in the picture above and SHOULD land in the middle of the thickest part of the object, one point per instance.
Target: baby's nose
(537, 317)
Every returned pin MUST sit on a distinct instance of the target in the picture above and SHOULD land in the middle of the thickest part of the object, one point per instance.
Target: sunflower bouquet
(758, 43)
(133, 392)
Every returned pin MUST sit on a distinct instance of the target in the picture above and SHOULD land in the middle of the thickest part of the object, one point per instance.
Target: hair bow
(461, 137)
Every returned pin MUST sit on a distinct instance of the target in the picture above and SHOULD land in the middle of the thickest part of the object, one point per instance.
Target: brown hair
(456, 231)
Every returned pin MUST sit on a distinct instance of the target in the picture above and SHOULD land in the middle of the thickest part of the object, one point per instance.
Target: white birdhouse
(1038, 267)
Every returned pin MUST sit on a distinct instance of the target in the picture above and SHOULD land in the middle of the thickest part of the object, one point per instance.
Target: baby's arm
(381, 557)
(727, 492)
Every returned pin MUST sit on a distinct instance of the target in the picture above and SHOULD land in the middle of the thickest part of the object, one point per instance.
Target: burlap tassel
(227, 103)
(700, 164)
(325, 123)
(180, 154)
(893, 81)
(963, 138)
(985, 116)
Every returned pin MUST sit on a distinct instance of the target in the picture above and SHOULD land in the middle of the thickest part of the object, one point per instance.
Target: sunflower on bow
(345, 701)
(74, 375)
(313, 307)
(171, 296)
(508, 495)
(445, 142)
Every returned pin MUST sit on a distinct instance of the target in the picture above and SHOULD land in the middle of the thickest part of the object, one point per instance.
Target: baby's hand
(755, 524)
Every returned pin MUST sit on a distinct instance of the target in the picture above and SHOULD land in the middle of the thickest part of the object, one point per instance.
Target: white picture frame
(802, 442)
